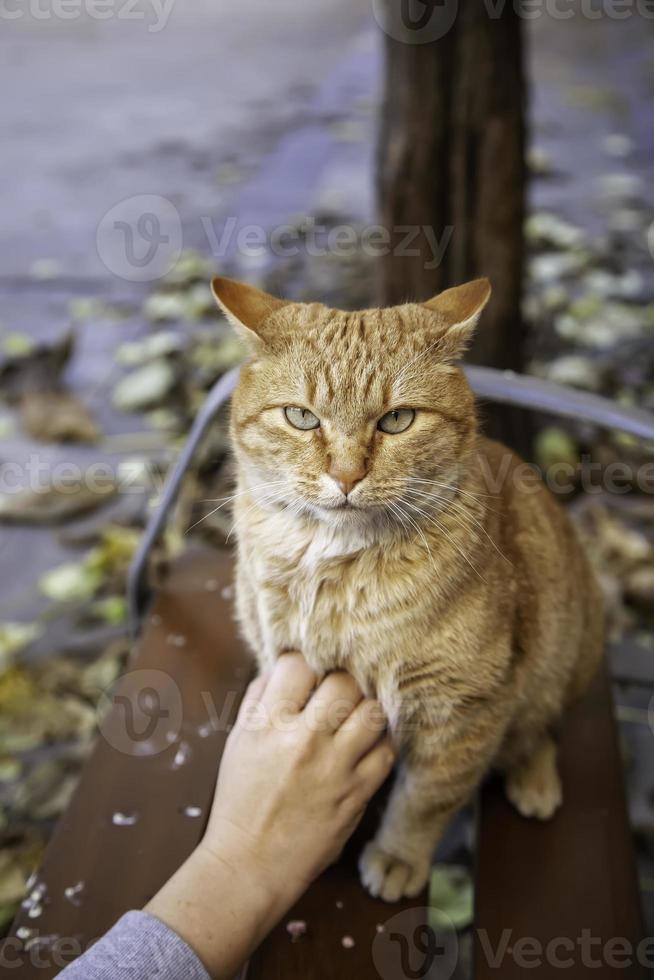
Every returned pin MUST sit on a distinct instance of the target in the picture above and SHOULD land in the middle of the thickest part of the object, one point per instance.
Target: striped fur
(454, 589)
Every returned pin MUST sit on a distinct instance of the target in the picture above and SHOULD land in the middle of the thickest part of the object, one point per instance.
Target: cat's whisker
(476, 498)
(464, 514)
(454, 488)
(447, 508)
(448, 536)
(397, 514)
(268, 499)
(418, 529)
(226, 500)
(233, 496)
(462, 518)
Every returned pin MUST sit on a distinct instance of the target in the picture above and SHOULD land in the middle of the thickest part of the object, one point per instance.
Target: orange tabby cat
(372, 537)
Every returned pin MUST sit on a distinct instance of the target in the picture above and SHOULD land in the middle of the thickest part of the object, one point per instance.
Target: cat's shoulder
(497, 457)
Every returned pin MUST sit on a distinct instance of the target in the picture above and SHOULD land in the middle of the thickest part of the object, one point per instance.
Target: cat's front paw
(534, 787)
(389, 877)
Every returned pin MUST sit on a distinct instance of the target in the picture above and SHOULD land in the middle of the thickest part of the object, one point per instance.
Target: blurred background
(146, 150)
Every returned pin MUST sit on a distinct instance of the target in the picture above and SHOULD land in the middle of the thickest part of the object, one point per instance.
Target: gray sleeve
(138, 947)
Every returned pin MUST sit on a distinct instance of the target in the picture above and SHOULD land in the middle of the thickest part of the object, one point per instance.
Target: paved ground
(232, 109)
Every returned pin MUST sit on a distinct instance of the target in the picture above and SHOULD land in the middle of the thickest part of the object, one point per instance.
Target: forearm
(221, 907)
(204, 923)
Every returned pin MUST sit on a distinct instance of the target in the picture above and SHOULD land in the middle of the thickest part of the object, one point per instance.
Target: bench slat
(573, 873)
(540, 880)
(123, 866)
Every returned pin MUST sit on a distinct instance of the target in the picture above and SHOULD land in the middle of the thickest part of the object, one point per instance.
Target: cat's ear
(458, 310)
(248, 309)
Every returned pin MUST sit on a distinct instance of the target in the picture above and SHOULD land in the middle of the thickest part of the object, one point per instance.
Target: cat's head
(351, 416)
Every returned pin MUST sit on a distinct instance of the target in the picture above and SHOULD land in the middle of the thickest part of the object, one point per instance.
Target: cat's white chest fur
(308, 592)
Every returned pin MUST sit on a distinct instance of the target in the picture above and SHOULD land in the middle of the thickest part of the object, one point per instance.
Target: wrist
(248, 859)
(236, 873)
(221, 905)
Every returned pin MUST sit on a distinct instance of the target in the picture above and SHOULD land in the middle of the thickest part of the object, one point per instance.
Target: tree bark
(451, 159)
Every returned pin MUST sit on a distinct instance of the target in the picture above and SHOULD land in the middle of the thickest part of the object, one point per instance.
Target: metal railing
(505, 387)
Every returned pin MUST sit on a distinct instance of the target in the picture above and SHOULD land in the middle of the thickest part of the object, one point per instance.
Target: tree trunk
(451, 169)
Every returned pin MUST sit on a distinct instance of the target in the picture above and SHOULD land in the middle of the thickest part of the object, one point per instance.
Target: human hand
(298, 768)
(297, 772)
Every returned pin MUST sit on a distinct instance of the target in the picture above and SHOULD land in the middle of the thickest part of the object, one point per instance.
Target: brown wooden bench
(546, 894)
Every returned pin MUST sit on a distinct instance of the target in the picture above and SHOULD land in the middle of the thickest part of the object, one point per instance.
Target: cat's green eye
(397, 420)
(301, 418)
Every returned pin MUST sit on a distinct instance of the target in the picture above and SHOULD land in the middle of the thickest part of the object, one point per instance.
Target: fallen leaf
(145, 387)
(165, 306)
(17, 344)
(617, 145)
(47, 790)
(228, 173)
(90, 308)
(552, 266)
(14, 637)
(621, 186)
(539, 163)
(45, 269)
(115, 551)
(577, 371)
(76, 581)
(639, 586)
(191, 266)
(7, 426)
(191, 303)
(58, 500)
(544, 228)
(138, 352)
(12, 880)
(554, 446)
(37, 371)
(451, 897)
(19, 855)
(57, 416)
(100, 676)
(112, 609)
(71, 582)
(32, 716)
(10, 769)
(217, 355)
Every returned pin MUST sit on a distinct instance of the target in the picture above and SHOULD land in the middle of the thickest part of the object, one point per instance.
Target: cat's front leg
(428, 791)
(397, 862)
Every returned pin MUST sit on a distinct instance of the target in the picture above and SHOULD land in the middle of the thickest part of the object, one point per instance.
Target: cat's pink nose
(347, 478)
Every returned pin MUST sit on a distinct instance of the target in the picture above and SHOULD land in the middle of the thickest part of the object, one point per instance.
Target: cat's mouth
(344, 504)
(341, 510)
